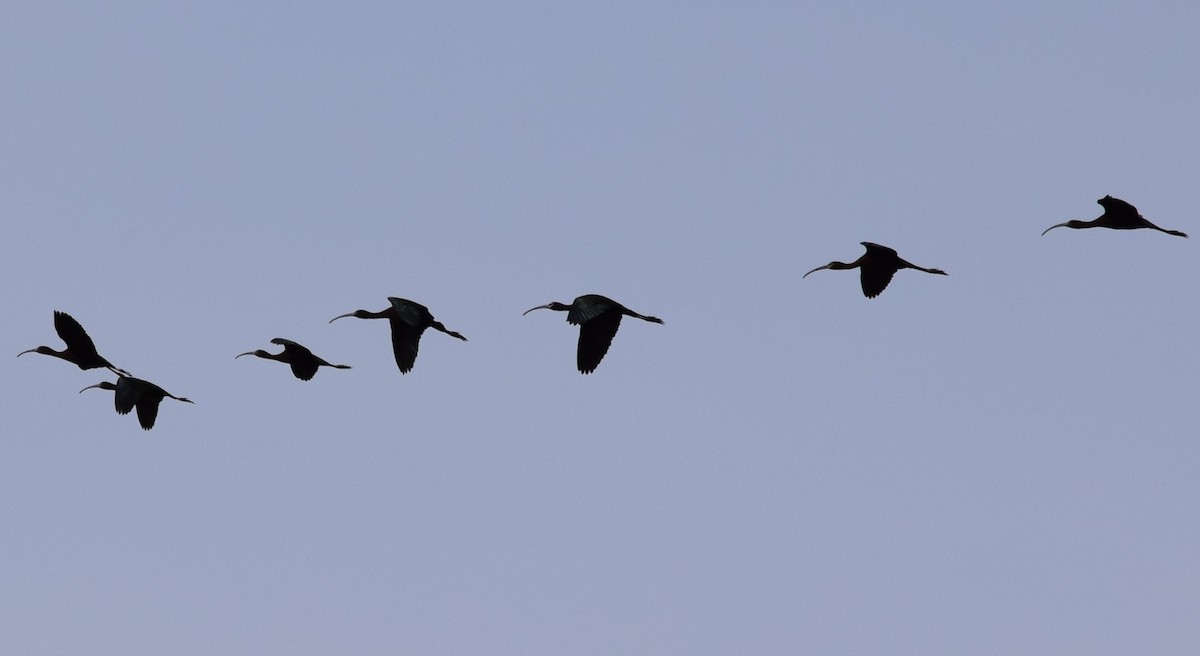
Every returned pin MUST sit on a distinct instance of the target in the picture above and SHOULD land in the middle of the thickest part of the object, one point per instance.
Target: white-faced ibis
(80, 350)
(598, 318)
(304, 363)
(876, 268)
(1118, 215)
(408, 320)
(135, 392)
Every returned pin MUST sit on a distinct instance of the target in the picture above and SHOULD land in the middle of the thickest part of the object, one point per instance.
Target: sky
(999, 461)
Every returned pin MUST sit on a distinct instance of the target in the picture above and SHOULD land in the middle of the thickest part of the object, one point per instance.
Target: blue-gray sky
(1002, 461)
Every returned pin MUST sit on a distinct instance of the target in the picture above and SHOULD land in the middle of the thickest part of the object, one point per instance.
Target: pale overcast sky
(1000, 461)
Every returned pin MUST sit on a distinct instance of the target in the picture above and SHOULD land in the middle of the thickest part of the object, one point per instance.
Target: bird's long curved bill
(32, 350)
(540, 307)
(241, 354)
(341, 316)
(826, 266)
(1060, 225)
(97, 385)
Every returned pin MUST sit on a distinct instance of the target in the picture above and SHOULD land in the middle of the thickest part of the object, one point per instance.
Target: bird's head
(553, 305)
(1073, 223)
(360, 314)
(823, 266)
(104, 385)
(44, 350)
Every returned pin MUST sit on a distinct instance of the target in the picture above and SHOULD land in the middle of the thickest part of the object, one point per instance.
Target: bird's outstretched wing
(74, 335)
(302, 361)
(875, 279)
(595, 336)
(134, 392)
(589, 306)
(288, 344)
(411, 312)
(127, 395)
(405, 339)
(1119, 208)
(304, 369)
(147, 411)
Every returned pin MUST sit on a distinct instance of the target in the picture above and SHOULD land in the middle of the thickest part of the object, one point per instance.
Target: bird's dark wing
(1119, 208)
(289, 345)
(589, 306)
(147, 411)
(411, 312)
(595, 336)
(405, 339)
(879, 250)
(127, 394)
(875, 279)
(304, 368)
(303, 362)
(74, 335)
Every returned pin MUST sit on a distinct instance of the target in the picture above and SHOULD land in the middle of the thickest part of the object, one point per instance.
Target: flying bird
(304, 363)
(134, 392)
(598, 318)
(876, 268)
(80, 350)
(1118, 215)
(408, 320)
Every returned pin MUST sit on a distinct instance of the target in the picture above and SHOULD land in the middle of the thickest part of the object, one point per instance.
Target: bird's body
(133, 393)
(408, 320)
(876, 268)
(1118, 215)
(598, 318)
(80, 350)
(304, 364)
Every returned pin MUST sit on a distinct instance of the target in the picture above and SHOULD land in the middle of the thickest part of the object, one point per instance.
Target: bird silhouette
(598, 318)
(134, 392)
(80, 350)
(1118, 215)
(304, 363)
(408, 320)
(876, 268)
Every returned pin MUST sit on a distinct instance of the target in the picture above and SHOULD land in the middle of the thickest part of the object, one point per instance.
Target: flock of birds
(598, 318)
